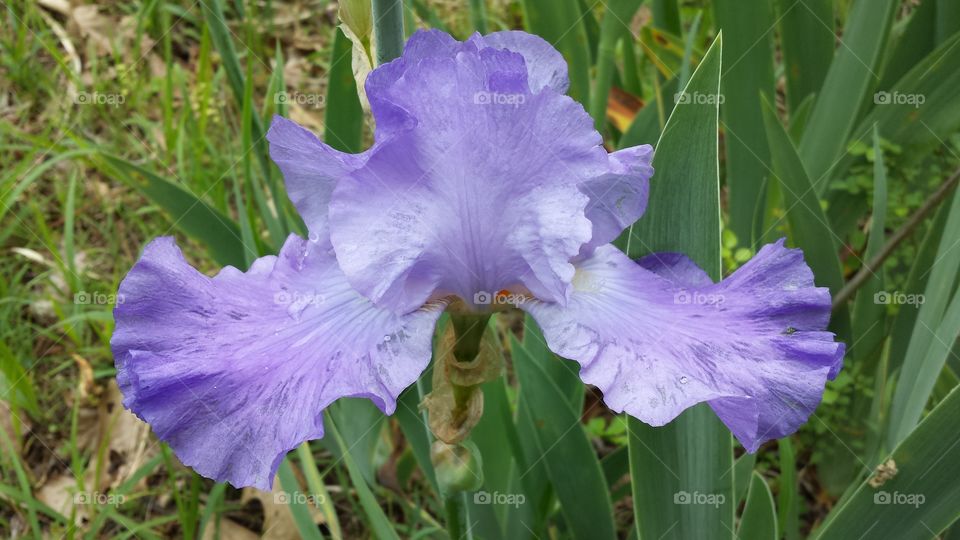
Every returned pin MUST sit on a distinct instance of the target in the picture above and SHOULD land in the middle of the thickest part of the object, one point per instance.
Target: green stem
(453, 506)
(468, 330)
(478, 16)
(388, 29)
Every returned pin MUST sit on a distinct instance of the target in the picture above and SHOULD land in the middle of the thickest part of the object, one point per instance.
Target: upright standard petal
(484, 176)
(658, 337)
(480, 194)
(234, 371)
(546, 67)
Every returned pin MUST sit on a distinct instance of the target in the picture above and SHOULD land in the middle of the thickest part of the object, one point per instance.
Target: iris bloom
(484, 180)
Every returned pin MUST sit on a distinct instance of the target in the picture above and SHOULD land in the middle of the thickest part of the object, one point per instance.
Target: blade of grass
(378, 521)
(297, 503)
(319, 490)
(478, 16)
(868, 314)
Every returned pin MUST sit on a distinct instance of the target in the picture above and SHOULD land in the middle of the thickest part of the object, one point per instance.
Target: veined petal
(659, 341)
(234, 371)
(479, 193)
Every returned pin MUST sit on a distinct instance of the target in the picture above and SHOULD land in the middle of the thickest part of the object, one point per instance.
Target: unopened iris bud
(458, 466)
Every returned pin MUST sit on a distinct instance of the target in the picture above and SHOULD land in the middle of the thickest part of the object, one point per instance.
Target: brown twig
(902, 233)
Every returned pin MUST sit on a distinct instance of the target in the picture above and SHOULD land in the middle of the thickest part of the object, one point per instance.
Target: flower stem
(388, 29)
(454, 508)
(469, 330)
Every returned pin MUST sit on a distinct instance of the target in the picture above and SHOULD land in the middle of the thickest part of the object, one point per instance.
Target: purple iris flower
(484, 180)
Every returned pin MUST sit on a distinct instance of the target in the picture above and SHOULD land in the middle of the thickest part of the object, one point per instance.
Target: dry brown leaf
(278, 522)
(307, 118)
(94, 27)
(129, 445)
(60, 493)
(85, 385)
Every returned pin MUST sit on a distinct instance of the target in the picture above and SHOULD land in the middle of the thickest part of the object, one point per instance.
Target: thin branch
(864, 274)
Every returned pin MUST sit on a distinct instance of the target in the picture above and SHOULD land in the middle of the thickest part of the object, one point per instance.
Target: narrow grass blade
(297, 502)
(478, 16)
(869, 315)
(223, 41)
(16, 384)
(379, 524)
(318, 490)
(916, 284)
